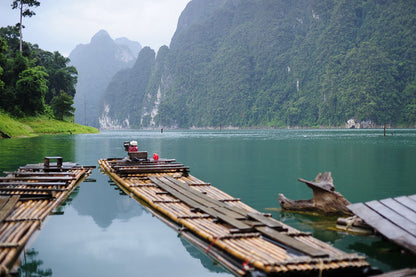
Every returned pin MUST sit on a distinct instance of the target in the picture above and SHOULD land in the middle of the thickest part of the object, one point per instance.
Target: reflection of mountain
(205, 260)
(103, 202)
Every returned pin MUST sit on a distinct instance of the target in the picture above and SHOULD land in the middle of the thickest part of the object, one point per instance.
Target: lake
(100, 231)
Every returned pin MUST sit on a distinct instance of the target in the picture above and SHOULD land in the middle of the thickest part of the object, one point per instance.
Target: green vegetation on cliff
(276, 63)
(286, 63)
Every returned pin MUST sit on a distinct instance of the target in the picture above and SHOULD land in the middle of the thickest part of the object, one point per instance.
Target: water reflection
(379, 252)
(103, 232)
(31, 265)
(21, 151)
(382, 251)
(141, 245)
(205, 260)
(321, 227)
(98, 201)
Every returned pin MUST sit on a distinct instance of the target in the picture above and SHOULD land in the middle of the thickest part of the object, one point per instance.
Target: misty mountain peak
(100, 37)
(97, 62)
(134, 46)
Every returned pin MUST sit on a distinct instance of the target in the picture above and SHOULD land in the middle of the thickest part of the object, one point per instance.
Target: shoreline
(258, 128)
(36, 126)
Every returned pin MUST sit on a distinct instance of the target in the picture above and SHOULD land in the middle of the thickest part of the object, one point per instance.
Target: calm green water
(102, 232)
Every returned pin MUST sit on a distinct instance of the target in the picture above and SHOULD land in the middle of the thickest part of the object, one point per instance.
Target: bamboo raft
(27, 197)
(244, 240)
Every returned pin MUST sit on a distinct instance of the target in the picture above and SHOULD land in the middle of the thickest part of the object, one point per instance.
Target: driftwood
(325, 199)
(354, 224)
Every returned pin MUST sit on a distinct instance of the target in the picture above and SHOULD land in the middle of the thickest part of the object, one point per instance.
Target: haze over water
(103, 232)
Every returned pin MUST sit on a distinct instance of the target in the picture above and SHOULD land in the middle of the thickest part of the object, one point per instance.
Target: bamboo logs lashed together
(228, 228)
(27, 197)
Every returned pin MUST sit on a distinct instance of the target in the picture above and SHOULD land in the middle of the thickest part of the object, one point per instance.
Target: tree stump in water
(325, 199)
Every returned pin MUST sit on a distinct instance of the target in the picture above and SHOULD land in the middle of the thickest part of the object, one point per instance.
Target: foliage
(278, 63)
(3, 49)
(31, 79)
(62, 78)
(45, 125)
(23, 6)
(31, 265)
(11, 35)
(30, 126)
(31, 89)
(128, 89)
(12, 127)
(62, 106)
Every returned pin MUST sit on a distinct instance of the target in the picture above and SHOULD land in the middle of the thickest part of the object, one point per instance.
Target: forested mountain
(97, 62)
(275, 63)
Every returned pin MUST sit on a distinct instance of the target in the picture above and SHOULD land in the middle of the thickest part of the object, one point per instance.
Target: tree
(3, 49)
(23, 6)
(11, 35)
(31, 89)
(61, 77)
(62, 106)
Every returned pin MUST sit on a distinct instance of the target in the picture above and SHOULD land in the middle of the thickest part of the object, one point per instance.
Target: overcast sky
(60, 25)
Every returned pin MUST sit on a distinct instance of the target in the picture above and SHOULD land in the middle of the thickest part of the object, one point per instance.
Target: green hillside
(36, 89)
(40, 125)
(276, 63)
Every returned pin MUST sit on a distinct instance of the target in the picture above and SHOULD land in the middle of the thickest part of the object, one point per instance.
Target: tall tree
(23, 6)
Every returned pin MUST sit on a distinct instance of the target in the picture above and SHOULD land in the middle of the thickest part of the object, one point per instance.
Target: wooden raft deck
(394, 218)
(27, 196)
(241, 238)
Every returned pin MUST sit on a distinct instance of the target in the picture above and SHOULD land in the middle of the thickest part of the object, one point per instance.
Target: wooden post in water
(384, 128)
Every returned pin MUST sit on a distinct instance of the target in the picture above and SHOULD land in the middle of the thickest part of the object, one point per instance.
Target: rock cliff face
(108, 123)
(364, 124)
(97, 62)
(124, 98)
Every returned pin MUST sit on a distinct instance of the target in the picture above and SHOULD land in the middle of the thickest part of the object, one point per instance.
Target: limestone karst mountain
(97, 62)
(275, 64)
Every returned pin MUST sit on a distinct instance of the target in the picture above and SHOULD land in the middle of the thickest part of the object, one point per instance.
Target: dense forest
(33, 81)
(275, 63)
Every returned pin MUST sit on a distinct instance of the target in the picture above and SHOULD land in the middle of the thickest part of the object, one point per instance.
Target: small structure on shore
(325, 199)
